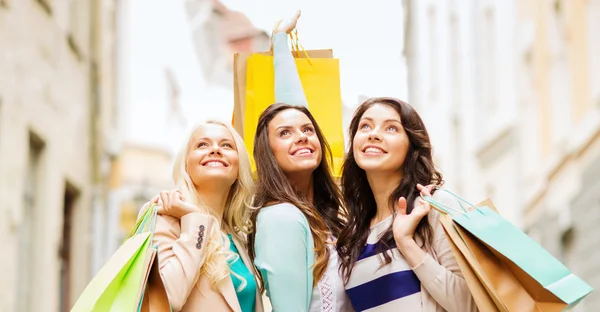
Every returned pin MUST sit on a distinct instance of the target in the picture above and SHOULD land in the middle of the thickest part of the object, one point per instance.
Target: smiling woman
(212, 147)
(294, 142)
(201, 227)
(394, 254)
(300, 213)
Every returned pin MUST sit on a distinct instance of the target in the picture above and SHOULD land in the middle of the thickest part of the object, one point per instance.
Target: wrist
(280, 35)
(405, 243)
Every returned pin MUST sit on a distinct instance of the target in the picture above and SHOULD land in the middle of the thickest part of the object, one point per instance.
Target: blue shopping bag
(547, 280)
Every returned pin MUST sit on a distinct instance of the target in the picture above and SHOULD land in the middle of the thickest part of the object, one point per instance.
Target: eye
(284, 132)
(202, 144)
(228, 145)
(308, 130)
(392, 128)
(364, 126)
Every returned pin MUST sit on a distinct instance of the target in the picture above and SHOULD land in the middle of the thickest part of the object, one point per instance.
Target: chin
(217, 179)
(217, 174)
(370, 165)
(304, 167)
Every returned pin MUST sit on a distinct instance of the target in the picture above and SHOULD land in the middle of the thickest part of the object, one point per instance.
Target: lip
(204, 163)
(364, 150)
(312, 151)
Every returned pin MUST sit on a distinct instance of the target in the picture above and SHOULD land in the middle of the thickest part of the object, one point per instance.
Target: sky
(155, 35)
(367, 37)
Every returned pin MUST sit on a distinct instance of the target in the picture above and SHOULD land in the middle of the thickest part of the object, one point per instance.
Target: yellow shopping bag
(320, 77)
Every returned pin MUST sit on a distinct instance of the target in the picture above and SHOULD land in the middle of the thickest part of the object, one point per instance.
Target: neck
(303, 183)
(214, 198)
(382, 185)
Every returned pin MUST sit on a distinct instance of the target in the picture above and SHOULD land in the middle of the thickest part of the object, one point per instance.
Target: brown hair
(418, 167)
(325, 215)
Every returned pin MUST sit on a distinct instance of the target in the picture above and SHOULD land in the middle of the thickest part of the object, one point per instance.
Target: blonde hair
(236, 216)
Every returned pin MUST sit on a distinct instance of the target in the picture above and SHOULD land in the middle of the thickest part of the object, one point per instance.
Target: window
(46, 5)
(594, 50)
(456, 101)
(559, 79)
(455, 61)
(79, 27)
(70, 198)
(489, 63)
(29, 224)
(433, 58)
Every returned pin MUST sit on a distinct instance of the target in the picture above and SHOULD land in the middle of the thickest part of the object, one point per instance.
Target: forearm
(288, 87)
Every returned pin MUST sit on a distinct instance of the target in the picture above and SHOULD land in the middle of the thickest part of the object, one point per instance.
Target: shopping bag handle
(294, 39)
(147, 222)
(447, 209)
(443, 208)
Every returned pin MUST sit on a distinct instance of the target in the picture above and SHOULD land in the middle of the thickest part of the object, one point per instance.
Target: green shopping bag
(550, 284)
(120, 284)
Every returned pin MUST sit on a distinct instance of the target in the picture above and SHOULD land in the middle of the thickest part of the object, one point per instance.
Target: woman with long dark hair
(393, 252)
(300, 212)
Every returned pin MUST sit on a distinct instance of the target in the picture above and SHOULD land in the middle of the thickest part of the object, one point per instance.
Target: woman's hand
(173, 204)
(288, 25)
(405, 224)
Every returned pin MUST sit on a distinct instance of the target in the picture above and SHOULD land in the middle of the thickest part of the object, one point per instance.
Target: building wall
(171, 77)
(45, 158)
(522, 120)
(566, 166)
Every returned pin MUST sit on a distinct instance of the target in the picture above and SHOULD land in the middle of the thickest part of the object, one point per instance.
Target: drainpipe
(97, 204)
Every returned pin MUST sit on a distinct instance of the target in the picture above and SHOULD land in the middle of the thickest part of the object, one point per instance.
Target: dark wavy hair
(325, 214)
(418, 167)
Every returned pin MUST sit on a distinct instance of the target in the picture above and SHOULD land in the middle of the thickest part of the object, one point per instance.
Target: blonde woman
(201, 228)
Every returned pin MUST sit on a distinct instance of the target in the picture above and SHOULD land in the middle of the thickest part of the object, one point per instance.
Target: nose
(374, 136)
(216, 149)
(302, 138)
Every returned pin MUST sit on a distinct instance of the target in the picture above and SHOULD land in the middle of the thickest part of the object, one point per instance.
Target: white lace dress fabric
(329, 294)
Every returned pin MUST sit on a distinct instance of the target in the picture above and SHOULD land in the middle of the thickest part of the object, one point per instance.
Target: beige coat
(180, 260)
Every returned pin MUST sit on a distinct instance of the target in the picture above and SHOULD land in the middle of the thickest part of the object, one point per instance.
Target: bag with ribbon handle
(254, 91)
(129, 281)
(514, 272)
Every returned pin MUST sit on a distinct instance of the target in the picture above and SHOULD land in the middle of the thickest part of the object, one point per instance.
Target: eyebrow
(308, 124)
(209, 139)
(387, 120)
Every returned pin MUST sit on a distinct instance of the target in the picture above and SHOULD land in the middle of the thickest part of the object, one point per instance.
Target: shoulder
(281, 223)
(282, 214)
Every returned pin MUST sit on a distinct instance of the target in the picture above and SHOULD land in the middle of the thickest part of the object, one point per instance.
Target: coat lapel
(225, 286)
